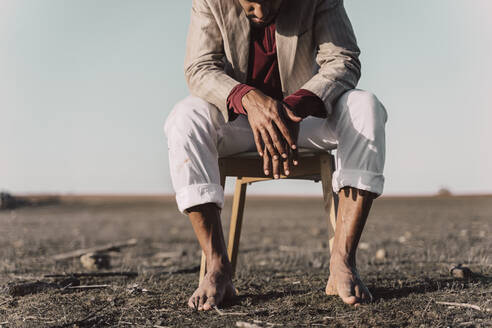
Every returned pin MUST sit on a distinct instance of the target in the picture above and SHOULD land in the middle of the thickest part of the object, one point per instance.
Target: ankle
(338, 257)
(218, 263)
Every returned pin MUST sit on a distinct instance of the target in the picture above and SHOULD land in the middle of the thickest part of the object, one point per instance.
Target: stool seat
(315, 165)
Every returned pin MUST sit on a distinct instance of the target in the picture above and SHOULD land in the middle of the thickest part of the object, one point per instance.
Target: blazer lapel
(239, 36)
(286, 38)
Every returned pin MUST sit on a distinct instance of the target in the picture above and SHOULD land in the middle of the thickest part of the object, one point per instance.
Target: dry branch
(33, 287)
(102, 248)
(243, 324)
(471, 306)
(83, 320)
(93, 274)
(222, 313)
(89, 287)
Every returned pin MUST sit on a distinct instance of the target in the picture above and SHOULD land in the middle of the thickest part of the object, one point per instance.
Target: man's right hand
(266, 117)
(267, 124)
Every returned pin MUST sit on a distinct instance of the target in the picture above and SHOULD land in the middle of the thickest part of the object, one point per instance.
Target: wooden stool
(248, 168)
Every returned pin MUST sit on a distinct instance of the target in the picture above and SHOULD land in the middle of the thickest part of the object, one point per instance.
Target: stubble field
(282, 269)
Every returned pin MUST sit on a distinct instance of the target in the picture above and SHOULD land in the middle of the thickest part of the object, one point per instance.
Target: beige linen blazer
(316, 49)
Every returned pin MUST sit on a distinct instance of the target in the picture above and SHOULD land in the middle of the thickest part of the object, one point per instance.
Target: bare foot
(345, 281)
(215, 288)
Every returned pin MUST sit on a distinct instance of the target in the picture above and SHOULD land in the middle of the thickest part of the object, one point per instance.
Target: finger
(295, 157)
(290, 115)
(258, 144)
(276, 167)
(286, 163)
(286, 166)
(277, 140)
(268, 143)
(266, 163)
(285, 132)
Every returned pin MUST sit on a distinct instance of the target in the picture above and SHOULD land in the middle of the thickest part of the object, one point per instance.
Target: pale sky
(85, 87)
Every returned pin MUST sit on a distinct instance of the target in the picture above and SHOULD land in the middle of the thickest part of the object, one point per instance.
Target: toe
(191, 304)
(193, 301)
(201, 302)
(358, 292)
(350, 300)
(210, 303)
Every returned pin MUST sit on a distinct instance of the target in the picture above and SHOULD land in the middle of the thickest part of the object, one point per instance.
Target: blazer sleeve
(205, 58)
(337, 56)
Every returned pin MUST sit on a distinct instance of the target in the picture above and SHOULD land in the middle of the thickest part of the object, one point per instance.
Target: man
(274, 75)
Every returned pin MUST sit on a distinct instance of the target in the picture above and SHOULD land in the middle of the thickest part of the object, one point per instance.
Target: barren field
(282, 267)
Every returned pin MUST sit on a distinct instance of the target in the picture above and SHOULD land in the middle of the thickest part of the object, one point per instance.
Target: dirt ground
(282, 267)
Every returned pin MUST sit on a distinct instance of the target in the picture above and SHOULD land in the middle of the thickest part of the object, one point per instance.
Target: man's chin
(259, 23)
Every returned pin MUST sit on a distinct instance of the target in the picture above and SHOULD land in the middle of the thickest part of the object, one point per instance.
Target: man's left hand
(274, 165)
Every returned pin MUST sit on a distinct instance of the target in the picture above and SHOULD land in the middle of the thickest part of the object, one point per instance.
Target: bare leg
(217, 284)
(344, 280)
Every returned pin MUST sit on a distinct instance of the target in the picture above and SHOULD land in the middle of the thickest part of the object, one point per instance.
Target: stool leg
(236, 222)
(330, 199)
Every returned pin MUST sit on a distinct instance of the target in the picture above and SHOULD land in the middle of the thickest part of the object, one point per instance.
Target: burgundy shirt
(263, 74)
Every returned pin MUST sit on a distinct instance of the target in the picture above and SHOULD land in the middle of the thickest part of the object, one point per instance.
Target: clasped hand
(275, 130)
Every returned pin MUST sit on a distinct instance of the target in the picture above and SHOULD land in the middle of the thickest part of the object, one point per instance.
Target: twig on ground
(220, 312)
(102, 248)
(89, 287)
(93, 274)
(466, 305)
(426, 307)
(4, 302)
(167, 255)
(269, 324)
(86, 318)
(246, 324)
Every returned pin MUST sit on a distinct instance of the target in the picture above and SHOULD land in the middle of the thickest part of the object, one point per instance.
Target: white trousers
(197, 136)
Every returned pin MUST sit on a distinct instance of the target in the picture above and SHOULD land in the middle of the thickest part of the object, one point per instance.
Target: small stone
(364, 245)
(95, 261)
(18, 243)
(316, 263)
(461, 272)
(381, 254)
(402, 239)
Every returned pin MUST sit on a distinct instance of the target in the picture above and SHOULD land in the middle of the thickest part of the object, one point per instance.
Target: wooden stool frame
(248, 168)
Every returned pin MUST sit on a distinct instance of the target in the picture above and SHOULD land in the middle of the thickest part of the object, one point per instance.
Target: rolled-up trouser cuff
(198, 194)
(364, 180)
